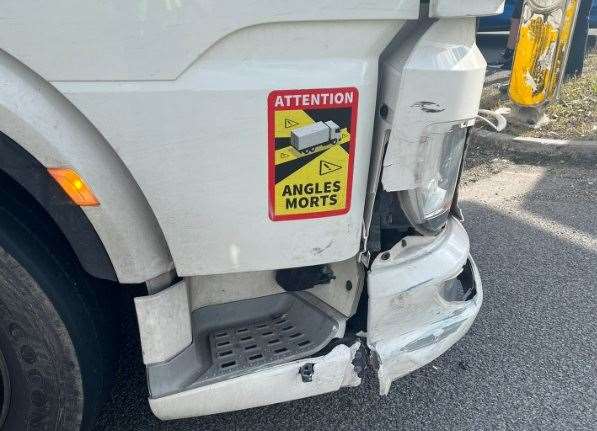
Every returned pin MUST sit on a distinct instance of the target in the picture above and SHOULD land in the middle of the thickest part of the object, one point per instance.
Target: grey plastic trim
(164, 323)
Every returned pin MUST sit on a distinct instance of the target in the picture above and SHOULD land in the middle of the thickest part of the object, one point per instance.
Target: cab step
(243, 337)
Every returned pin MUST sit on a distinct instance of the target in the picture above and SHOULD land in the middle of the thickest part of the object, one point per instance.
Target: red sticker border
(271, 131)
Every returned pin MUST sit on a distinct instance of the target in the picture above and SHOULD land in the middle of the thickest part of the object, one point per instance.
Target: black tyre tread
(29, 319)
(79, 315)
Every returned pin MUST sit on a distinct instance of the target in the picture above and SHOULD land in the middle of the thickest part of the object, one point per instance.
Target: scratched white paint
(446, 54)
(272, 385)
(409, 323)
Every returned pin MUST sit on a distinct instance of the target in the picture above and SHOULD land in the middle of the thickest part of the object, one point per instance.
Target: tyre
(57, 339)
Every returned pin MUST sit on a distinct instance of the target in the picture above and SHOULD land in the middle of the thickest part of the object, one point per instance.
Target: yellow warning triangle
(326, 167)
(288, 123)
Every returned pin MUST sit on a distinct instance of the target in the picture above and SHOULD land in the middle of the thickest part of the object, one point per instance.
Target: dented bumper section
(424, 294)
(285, 382)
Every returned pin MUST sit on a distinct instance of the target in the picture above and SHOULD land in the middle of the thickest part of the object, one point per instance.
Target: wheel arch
(22, 169)
(119, 239)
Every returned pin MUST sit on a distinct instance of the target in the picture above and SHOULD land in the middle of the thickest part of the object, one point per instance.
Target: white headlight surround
(439, 162)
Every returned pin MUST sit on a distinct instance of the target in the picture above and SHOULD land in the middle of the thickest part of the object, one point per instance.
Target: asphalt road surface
(529, 360)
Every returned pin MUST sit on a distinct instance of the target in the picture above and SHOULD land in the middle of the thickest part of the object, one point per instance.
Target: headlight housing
(439, 161)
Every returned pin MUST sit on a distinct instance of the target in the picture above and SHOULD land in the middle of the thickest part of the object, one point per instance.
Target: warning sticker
(311, 152)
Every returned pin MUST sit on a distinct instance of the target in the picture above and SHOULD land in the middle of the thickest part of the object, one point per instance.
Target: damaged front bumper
(277, 384)
(423, 296)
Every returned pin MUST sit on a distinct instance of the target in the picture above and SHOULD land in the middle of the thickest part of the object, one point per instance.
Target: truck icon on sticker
(311, 152)
(305, 139)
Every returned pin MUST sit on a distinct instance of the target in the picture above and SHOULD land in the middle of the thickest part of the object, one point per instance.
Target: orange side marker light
(74, 186)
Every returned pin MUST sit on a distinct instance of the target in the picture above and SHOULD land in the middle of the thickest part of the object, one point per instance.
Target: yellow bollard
(546, 28)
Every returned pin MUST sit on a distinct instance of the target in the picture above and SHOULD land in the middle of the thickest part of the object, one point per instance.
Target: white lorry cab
(171, 149)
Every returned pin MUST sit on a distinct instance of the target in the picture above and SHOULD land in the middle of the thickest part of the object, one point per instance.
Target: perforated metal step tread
(265, 341)
(230, 340)
(261, 332)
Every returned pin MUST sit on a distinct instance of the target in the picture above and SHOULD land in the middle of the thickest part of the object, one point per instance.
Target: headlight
(438, 168)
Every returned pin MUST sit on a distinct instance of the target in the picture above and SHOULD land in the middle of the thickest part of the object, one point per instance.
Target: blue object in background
(593, 15)
(498, 22)
(502, 22)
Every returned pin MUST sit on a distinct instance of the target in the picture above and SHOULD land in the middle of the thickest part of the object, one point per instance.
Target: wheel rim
(4, 390)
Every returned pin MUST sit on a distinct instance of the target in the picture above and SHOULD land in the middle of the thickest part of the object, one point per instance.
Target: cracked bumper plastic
(423, 297)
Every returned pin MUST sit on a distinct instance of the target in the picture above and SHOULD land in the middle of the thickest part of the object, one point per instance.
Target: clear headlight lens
(440, 158)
